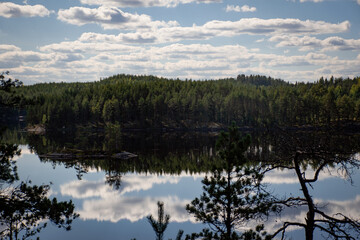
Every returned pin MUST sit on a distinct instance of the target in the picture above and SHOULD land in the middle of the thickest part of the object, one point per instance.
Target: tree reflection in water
(311, 152)
(293, 153)
(24, 208)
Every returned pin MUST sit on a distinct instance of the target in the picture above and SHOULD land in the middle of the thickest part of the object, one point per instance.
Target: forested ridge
(149, 101)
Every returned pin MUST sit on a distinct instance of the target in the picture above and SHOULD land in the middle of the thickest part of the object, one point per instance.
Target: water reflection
(132, 208)
(169, 169)
(287, 176)
(350, 208)
(25, 209)
(130, 183)
(102, 202)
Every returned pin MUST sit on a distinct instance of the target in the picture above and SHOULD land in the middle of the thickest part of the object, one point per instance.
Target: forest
(152, 102)
(233, 188)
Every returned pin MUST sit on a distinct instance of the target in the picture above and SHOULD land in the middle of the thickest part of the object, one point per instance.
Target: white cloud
(127, 38)
(12, 10)
(96, 55)
(16, 58)
(89, 48)
(109, 18)
(307, 43)
(114, 18)
(132, 183)
(8, 47)
(103, 203)
(251, 26)
(244, 8)
(338, 43)
(315, 1)
(275, 26)
(358, 1)
(133, 209)
(145, 3)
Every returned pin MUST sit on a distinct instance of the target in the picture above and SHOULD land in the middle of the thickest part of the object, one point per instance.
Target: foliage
(161, 224)
(25, 207)
(148, 101)
(233, 194)
(8, 171)
(7, 84)
(8, 96)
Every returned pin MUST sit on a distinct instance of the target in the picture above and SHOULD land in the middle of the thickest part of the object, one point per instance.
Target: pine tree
(161, 224)
(233, 194)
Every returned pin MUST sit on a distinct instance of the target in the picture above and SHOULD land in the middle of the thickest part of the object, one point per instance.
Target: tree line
(25, 209)
(149, 101)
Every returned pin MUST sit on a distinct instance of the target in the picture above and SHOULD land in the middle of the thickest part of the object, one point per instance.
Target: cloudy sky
(85, 40)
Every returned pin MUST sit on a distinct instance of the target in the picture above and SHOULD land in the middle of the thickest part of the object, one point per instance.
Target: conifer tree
(233, 194)
(161, 224)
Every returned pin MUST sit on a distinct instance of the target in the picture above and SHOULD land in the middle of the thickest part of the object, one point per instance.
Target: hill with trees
(153, 102)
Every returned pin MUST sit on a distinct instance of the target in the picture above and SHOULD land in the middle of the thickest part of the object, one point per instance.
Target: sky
(87, 40)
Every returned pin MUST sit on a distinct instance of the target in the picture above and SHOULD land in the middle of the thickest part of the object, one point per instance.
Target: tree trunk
(310, 216)
(228, 207)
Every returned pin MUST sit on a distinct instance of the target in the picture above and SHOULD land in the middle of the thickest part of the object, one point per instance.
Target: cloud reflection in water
(101, 202)
(104, 203)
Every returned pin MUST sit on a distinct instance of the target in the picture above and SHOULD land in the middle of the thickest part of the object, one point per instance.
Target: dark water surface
(113, 196)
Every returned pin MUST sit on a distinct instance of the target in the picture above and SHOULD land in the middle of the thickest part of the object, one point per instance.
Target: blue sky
(85, 40)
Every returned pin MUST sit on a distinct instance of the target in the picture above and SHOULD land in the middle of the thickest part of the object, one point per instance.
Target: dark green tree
(25, 209)
(8, 84)
(161, 224)
(233, 194)
(8, 172)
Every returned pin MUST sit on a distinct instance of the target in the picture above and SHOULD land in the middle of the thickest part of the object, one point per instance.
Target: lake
(114, 196)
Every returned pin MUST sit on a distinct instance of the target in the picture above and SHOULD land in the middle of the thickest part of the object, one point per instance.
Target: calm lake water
(169, 168)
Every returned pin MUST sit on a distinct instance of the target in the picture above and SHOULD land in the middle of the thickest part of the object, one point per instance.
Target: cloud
(133, 209)
(315, 1)
(245, 8)
(88, 47)
(103, 203)
(160, 31)
(100, 55)
(109, 18)
(8, 47)
(145, 3)
(170, 32)
(275, 26)
(12, 10)
(358, 1)
(127, 38)
(251, 26)
(307, 43)
(16, 58)
(132, 183)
